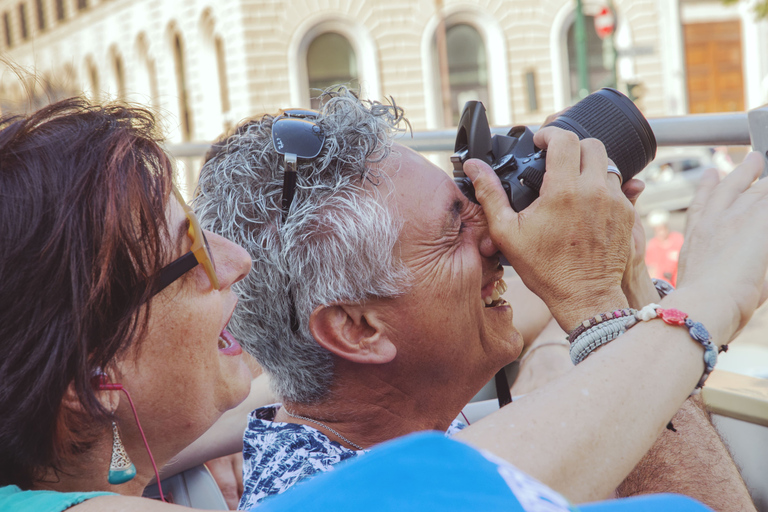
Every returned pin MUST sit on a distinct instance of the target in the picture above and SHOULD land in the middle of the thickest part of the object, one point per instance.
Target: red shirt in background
(661, 256)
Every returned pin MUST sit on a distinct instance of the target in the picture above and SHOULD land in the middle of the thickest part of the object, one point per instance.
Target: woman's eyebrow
(182, 233)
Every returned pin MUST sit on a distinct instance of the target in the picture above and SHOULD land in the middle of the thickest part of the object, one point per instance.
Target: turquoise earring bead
(121, 469)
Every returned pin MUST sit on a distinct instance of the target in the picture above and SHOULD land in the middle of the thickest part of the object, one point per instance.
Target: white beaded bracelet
(597, 336)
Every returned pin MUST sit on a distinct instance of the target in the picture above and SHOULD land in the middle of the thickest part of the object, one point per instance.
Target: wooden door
(713, 66)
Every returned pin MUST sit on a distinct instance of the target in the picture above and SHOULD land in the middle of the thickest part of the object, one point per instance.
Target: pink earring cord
(113, 386)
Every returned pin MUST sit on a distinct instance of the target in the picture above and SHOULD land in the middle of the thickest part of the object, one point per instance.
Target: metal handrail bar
(728, 129)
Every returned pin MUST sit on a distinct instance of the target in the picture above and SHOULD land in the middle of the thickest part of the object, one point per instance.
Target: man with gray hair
(375, 303)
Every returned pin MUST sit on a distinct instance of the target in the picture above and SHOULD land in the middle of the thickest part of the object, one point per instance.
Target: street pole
(580, 34)
(612, 49)
(442, 59)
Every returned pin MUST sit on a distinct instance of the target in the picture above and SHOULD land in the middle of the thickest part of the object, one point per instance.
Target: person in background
(663, 249)
(376, 304)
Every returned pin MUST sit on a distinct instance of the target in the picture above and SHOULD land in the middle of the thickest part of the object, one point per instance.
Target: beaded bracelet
(696, 330)
(596, 336)
(598, 319)
(663, 287)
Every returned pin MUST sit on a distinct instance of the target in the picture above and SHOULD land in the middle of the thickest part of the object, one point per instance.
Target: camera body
(606, 115)
(520, 164)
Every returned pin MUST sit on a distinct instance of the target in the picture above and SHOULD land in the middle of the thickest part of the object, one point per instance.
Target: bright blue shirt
(426, 471)
(13, 499)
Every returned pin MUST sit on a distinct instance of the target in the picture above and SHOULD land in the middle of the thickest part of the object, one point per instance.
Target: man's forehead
(409, 168)
(425, 193)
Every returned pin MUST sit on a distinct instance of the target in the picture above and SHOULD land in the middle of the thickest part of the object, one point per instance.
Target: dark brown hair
(83, 232)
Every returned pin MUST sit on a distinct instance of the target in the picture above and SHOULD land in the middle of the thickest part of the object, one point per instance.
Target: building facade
(206, 65)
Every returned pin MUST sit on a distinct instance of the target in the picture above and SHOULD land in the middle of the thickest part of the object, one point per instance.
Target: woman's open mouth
(228, 345)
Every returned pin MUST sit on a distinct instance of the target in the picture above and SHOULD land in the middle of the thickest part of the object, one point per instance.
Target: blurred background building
(206, 65)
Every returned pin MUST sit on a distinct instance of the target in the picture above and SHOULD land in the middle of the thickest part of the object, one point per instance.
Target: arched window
(467, 68)
(69, 80)
(119, 70)
(144, 75)
(331, 60)
(185, 115)
(23, 21)
(40, 11)
(212, 111)
(93, 79)
(221, 64)
(599, 75)
(7, 28)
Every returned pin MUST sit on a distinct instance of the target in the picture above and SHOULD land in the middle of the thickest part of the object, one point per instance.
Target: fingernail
(471, 169)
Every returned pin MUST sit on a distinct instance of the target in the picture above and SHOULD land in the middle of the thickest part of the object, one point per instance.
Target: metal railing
(731, 129)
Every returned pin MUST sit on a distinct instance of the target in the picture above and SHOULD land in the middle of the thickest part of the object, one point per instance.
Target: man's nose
(487, 247)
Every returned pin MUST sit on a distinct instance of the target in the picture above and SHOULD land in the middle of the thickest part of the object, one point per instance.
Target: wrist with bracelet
(601, 329)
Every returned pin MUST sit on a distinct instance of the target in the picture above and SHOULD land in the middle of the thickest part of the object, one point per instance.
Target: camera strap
(502, 388)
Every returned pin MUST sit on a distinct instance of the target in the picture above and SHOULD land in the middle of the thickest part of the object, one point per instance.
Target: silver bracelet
(595, 337)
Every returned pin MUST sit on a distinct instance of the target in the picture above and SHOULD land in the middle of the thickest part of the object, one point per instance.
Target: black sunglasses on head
(295, 135)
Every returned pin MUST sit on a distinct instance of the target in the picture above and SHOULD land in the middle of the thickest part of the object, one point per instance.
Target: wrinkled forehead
(423, 193)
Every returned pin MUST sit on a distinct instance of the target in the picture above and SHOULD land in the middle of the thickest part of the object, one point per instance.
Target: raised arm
(531, 313)
(583, 433)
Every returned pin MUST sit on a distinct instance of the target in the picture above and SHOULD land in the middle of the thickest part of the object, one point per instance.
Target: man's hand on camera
(571, 245)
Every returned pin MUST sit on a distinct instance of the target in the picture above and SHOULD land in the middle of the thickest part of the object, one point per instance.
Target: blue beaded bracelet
(696, 330)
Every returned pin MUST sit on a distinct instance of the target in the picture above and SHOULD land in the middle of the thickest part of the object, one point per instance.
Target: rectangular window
(40, 15)
(23, 21)
(60, 14)
(7, 27)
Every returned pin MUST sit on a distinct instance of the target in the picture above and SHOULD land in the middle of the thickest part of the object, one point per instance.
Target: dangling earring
(121, 469)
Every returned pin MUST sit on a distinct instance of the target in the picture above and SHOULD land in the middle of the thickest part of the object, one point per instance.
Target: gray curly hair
(336, 246)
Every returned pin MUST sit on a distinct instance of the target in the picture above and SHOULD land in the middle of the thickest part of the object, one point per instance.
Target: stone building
(206, 65)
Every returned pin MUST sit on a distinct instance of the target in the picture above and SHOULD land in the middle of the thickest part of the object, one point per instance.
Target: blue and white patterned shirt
(278, 455)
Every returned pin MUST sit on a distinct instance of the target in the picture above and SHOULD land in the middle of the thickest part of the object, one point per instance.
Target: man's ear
(352, 332)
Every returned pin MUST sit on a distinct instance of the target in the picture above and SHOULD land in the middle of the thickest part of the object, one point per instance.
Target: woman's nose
(232, 261)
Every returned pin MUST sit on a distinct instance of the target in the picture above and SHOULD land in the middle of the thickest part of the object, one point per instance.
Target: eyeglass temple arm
(173, 271)
(289, 182)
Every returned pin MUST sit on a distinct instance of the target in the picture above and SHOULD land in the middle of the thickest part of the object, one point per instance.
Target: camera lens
(613, 119)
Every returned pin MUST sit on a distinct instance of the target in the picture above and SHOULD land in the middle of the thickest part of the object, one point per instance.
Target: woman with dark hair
(112, 296)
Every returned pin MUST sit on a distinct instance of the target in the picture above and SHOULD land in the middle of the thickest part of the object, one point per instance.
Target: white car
(671, 179)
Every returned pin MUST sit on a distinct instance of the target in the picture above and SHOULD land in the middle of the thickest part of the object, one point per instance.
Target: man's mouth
(491, 294)
(228, 345)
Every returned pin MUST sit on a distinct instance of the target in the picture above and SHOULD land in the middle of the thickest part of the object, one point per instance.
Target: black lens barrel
(613, 119)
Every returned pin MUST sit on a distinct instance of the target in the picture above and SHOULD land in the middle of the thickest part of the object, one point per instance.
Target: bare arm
(692, 461)
(543, 361)
(584, 433)
(531, 313)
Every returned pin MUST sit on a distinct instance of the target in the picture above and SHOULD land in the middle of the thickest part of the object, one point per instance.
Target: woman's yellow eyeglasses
(199, 253)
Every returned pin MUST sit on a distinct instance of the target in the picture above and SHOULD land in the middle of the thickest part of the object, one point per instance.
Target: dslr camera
(606, 115)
